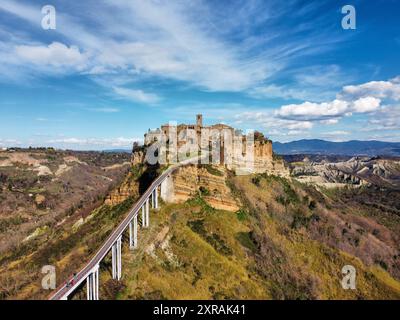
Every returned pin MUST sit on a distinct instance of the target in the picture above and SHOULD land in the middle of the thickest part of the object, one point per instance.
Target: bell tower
(199, 120)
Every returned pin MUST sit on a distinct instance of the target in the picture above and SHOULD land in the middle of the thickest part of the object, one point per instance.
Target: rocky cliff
(128, 188)
(206, 180)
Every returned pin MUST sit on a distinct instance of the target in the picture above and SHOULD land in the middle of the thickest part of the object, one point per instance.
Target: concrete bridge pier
(147, 212)
(92, 284)
(144, 216)
(133, 228)
(156, 198)
(167, 189)
(116, 259)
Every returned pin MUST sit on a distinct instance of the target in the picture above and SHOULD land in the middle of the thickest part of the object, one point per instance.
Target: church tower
(199, 120)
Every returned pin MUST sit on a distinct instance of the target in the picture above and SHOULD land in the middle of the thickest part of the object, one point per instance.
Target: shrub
(312, 205)
(204, 191)
(199, 201)
(281, 200)
(256, 180)
(247, 241)
(212, 170)
(382, 264)
(213, 239)
(300, 219)
(112, 287)
(241, 215)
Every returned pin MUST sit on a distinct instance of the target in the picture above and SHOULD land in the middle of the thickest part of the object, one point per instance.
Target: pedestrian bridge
(90, 272)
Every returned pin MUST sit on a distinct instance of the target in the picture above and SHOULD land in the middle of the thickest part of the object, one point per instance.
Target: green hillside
(273, 248)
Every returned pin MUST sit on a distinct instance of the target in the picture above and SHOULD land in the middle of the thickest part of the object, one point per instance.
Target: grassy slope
(262, 252)
(190, 265)
(66, 246)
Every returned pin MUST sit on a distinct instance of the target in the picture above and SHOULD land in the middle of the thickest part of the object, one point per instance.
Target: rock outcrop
(128, 188)
(137, 157)
(209, 181)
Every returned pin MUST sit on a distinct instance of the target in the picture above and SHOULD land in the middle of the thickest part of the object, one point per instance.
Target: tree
(136, 146)
(258, 136)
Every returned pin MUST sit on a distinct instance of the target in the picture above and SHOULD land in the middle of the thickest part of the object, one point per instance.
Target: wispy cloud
(93, 143)
(380, 89)
(317, 83)
(136, 95)
(104, 110)
(178, 40)
(56, 55)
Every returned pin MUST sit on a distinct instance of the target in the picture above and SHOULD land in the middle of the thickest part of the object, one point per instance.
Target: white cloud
(136, 95)
(270, 122)
(330, 121)
(29, 13)
(313, 111)
(120, 142)
(274, 91)
(299, 125)
(379, 89)
(56, 55)
(327, 111)
(9, 142)
(368, 98)
(385, 119)
(367, 104)
(337, 133)
(302, 116)
(104, 110)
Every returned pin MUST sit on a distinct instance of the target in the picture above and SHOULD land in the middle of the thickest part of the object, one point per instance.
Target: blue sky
(114, 68)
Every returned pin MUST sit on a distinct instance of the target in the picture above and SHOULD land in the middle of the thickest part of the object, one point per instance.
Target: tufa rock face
(263, 150)
(137, 157)
(208, 181)
(128, 188)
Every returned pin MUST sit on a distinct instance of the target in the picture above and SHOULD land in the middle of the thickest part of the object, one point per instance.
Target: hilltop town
(227, 147)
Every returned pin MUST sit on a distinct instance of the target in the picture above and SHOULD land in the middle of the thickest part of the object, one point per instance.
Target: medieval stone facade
(229, 146)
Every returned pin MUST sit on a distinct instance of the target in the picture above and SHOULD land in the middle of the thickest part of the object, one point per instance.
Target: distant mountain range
(118, 150)
(350, 148)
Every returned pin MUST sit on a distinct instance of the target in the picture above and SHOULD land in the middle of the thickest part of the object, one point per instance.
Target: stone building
(244, 153)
